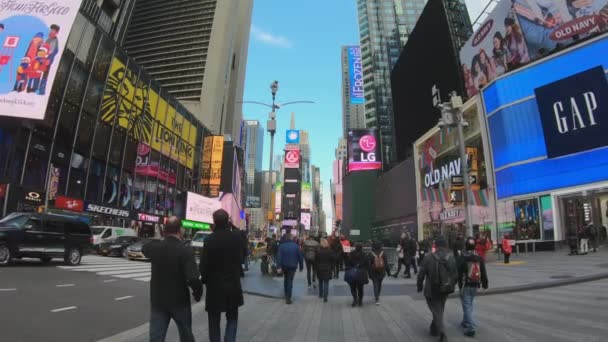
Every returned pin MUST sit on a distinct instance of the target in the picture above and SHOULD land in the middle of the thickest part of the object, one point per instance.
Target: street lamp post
(453, 116)
(271, 127)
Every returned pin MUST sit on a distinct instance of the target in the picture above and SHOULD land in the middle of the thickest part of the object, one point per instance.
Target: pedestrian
(584, 240)
(311, 247)
(506, 248)
(412, 247)
(438, 273)
(288, 260)
(325, 261)
(173, 272)
(471, 276)
(483, 245)
(378, 268)
(592, 234)
(220, 266)
(400, 255)
(336, 247)
(572, 236)
(356, 273)
(423, 249)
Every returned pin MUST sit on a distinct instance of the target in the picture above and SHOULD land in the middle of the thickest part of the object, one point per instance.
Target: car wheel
(46, 259)
(5, 255)
(73, 256)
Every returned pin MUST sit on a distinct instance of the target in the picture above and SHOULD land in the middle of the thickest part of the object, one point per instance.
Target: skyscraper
(353, 113)
(197, 50)
(253, 143)
(384, 27)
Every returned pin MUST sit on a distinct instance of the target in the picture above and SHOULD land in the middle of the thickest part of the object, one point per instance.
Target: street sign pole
(464, 166)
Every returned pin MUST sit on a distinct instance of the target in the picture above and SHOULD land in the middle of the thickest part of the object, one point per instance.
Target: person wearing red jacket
(506, 248)
(483, 245)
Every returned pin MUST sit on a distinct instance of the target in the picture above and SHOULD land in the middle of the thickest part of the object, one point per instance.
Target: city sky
(298, 43)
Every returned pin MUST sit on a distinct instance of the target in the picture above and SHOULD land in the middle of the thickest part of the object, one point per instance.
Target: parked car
(134, 251)
(44, 237)
(118, 246)
(103, 234)
(198, 241)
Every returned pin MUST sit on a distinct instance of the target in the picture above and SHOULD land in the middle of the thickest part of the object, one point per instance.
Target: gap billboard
(32, 36)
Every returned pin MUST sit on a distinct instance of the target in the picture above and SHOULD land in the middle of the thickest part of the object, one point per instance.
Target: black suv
(43, 236)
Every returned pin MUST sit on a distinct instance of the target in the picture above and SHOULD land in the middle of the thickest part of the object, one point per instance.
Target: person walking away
(325, 261)
(411, 249)
(346, 249)
(458, 245)
(288, 260)
(423, 249)
(378, 268)
(483, 245)
(336, 247)
(220, 267)
(584, 241)
(507, 249)
(311, 247)
(173, 272)
(438, 275)
(400, 255)
(471, 276)
(572, 237)
(592, 234)
(356, 274)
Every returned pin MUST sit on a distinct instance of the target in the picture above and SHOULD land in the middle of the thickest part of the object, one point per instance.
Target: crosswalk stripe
(134, 275)
(143, 279)
(101, 269)
(115, 272)
(113, 267)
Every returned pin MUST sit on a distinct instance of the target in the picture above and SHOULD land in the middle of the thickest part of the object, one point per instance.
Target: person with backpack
(438, 275)
(356, 273)
(378, 268)
(325, 261)
(471, 276)
(311, 247)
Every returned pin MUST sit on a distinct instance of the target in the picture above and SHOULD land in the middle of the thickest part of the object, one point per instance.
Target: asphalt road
(48, 303)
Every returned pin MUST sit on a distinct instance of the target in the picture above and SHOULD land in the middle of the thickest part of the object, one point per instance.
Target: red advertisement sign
(68, 203)
(292, 159)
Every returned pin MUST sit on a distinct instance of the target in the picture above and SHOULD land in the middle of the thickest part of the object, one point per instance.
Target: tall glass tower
(384, 27)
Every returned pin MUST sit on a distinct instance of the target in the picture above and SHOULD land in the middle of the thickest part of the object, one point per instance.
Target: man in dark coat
(220, 268)
(173, 271)
(288, 259)
(435, 297)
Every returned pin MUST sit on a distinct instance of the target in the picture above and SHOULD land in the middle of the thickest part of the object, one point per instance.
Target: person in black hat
(440, 272)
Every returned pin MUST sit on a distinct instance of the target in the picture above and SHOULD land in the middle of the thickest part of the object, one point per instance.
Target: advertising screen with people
(32, 40)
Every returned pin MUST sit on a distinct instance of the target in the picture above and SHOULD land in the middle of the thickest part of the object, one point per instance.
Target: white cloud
(269, 38)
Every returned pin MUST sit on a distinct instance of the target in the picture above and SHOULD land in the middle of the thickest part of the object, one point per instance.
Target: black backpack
(443, 281)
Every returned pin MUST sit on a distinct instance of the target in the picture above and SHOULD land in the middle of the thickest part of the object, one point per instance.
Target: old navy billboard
(33, 35)
(547, 122)
(355, 73)
(364, 150)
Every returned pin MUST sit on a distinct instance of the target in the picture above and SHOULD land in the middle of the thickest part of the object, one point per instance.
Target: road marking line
(109, 281)
(133, 275)
(123, 298)
(123, 271)
(7, 290)
(143, 279)
(64, 309)
(65, 285)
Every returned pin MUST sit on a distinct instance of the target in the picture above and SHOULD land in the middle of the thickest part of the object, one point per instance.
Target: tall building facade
(341, 150)
(353, 114)
(252, 141)
(197, 50)
(384, 28)
(305, 155)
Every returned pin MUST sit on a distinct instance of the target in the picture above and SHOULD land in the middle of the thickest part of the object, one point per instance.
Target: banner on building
(305, 219)
(364, 150)
(200, 208)
(33, 37)
(292, 159)
(213, 155)
(355, 73)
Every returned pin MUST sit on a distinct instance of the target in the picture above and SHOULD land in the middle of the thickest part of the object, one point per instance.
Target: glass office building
(112, 139)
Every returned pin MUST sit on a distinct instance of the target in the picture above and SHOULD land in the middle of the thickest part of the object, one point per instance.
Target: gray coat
(428, 269)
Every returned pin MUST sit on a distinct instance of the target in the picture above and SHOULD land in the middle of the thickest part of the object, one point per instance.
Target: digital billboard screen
(33, 37)
(200, 208)
(355, 73)
(364, 150)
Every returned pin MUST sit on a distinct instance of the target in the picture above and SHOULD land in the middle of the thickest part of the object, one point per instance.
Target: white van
(105, 234)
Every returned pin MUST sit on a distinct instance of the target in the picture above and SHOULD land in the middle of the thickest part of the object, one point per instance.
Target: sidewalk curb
(542, 285)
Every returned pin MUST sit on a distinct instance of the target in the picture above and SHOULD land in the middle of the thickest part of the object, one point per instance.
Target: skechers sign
(574, 112)
(355, 71)
(363, 150)
(106, 210)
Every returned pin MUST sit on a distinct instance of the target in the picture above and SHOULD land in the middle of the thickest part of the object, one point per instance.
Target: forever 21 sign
(574, 112)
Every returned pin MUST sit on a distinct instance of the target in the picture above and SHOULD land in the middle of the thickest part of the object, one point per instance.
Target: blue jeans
(232, 317)
(159, 322)
(323, 288)
(467, 295)
(288, 274)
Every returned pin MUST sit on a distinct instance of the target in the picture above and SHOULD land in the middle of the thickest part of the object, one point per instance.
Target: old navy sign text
(445, 172)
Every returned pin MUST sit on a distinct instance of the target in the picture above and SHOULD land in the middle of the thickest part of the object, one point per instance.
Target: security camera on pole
(452, 116)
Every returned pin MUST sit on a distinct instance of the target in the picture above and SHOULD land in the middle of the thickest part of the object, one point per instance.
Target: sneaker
(288, 301)
(469, 333)
(377, 303)
(354, 304)
(324, 300)
(309, 287)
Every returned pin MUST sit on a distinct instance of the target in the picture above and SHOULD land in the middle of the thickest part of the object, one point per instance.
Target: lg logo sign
(367, 143)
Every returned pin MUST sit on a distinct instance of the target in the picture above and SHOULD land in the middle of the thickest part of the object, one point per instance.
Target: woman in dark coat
(357, 263)
(376, 273)
(325, 261)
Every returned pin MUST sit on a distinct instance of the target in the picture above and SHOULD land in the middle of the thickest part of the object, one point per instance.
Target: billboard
(292, 159)
(557, 23)
(200, 208)
(33, 37)
(278, 188)
(355, 75)
(306, 196)
(305, 219)
(292, 136)
(213, 154)
(496, 47)
(364, 150)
